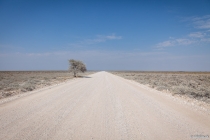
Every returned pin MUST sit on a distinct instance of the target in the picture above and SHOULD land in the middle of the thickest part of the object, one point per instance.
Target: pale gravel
(105, 107)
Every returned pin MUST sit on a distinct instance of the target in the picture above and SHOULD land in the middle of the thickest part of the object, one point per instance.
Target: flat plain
(18, 82)
(195, 85)
(101, 106)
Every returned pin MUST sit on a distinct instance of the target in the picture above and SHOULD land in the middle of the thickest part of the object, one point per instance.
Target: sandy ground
(101, 106)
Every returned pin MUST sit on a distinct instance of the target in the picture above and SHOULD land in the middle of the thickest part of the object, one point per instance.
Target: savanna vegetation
(76, 66)
(192, 84)
(17, 82)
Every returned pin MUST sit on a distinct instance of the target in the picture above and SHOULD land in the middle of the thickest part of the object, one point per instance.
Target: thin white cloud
(201, 35)
(202, 22)
(102, 38)
(182, 41)
(112, 37)
(167, 43)
(174, 42)
(98, 39)
(197, 35)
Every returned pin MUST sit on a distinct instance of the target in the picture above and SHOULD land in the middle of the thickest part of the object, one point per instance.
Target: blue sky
(105, 35)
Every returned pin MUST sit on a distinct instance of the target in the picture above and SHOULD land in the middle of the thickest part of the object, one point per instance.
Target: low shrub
(192, 84)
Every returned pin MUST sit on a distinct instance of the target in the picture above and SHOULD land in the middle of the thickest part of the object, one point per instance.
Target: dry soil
(101, 106)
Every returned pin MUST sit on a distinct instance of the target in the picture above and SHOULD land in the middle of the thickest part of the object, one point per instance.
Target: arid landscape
(104, 70)
(101, 106)
(17, 82)
(191, 84)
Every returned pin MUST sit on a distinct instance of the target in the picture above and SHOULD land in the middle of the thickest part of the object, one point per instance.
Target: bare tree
(76, 66)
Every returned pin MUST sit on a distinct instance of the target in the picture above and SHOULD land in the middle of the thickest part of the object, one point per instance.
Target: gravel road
(101, 106)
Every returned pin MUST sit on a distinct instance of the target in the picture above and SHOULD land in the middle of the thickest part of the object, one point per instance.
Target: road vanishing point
(101, 106)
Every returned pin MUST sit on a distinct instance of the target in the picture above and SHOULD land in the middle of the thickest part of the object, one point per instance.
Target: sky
(154, 35)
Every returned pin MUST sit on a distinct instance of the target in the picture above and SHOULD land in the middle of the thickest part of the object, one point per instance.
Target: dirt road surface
(101, 107)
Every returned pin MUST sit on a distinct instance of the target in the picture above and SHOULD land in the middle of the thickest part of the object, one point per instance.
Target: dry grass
(17, 82)
(192, 84)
